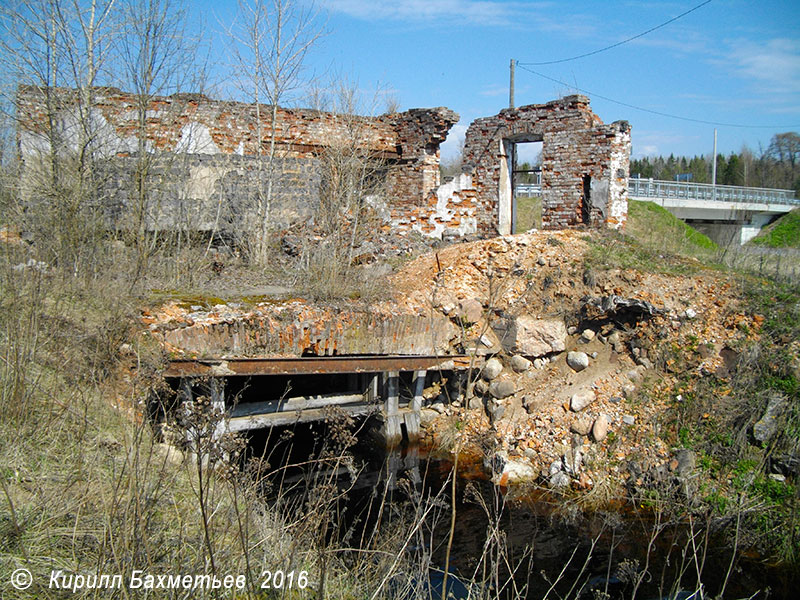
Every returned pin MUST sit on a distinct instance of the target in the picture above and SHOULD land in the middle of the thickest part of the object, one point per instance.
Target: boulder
(600, 428)
(502, 388)
(469, 310)
(578, 361)
(520, 364)
(581, 400)
(492, 369)
(766, 427)
(687, 461)
(559, 480)
(581, 426)
(530, 336)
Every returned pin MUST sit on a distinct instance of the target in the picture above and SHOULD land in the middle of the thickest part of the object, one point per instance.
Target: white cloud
(475, 11)
(451, 147)
(775, 63)
(645, 151)
(492, 13)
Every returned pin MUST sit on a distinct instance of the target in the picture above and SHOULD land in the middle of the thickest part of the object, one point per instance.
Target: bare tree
(157, 56)
(47, 44)
(351, 192)
(269, 42)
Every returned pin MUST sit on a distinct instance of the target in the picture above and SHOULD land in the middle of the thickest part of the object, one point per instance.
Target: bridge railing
(528, 189)
(679, 190)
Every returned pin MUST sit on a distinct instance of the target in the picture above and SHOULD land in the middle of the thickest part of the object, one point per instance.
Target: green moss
(784, 233)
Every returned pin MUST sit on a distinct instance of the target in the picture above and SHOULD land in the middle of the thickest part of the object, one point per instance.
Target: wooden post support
(419, 386)
(218, 406)
(393, 421)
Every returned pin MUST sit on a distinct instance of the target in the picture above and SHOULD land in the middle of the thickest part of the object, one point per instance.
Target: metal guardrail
(528, 189)
(653, 188)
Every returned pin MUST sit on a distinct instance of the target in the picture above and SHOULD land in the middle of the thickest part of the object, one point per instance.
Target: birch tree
(269, 42)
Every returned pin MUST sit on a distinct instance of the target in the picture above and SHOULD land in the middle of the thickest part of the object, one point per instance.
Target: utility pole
(511, 86)
(714, 168)
(714, 164)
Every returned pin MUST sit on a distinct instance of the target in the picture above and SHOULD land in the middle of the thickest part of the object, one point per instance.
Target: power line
(656, 112)
(652, 29)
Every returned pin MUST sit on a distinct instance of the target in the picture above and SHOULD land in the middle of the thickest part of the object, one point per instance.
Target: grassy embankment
(740, 484)
(783, 233)
(88, 488)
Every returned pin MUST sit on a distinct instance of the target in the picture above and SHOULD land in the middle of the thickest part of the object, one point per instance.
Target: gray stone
(766, 427)
(538, 363)
(520, 364)
(481, 386)
(475, 403)
(600, 428)
(578, 361)
(587, 336)
(502, 388)
(530, 336)
(496, 411)
(492, 369)
(581, 426)
(691, 313)
(427, 416)
(687, 460)
(628, 419)
(438, 407)
(581, 400)
(628, 390)
(559, 480)
(530, 453)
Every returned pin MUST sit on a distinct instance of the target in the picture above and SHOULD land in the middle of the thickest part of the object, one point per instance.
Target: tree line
(777, 166)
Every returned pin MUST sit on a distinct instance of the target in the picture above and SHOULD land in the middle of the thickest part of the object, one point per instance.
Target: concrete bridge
(725, 213)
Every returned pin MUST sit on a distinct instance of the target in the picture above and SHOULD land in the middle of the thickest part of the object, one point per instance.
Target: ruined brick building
(211, 160)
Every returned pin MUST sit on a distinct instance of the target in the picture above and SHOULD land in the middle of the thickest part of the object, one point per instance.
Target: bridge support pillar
(393, 420)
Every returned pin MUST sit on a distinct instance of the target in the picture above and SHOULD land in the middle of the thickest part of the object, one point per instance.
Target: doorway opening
(586, 200)
(520, 193)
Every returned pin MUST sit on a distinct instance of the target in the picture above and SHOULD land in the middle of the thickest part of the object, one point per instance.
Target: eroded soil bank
(582, 380)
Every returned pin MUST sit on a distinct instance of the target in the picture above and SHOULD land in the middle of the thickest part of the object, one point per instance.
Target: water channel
(505, 544)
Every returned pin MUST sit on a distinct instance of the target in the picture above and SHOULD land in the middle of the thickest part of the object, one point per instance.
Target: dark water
(530, 546)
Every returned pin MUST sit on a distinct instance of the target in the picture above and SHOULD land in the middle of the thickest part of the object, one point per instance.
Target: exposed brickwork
(218, 144)
(210, 172)
(575, 145)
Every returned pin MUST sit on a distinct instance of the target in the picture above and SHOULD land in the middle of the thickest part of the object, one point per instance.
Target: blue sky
(730, 61)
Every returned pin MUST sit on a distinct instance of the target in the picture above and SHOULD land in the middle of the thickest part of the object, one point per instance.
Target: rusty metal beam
(313, 365)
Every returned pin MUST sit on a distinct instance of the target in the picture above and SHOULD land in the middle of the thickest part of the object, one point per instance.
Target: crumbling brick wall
(585, 164)
(209, 169)
(208, 152)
